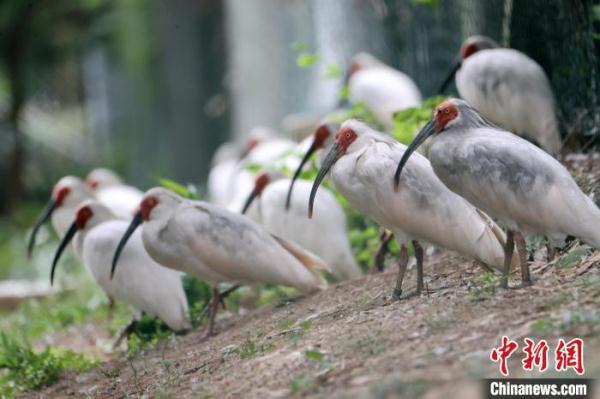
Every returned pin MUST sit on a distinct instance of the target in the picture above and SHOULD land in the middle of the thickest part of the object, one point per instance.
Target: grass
(25, 369)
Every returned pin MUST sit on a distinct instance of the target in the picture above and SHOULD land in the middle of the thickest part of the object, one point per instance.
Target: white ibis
(325, 235)
(67, 194)
(140, 281)
(383, 89)
(322, 139)
(424, 209)
(228, 179)
(217, 246)
(522, 186)
(508, 88)
(109, 189)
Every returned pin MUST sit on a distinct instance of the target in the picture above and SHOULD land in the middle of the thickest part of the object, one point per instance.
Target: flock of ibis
(478, 172)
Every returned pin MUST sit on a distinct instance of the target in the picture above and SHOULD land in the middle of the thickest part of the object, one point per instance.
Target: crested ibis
(423, 210)
(217, 246)
(509, 88)
(514, 181)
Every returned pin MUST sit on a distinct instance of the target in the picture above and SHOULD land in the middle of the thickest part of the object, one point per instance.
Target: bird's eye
(347, 135)
(447, 111)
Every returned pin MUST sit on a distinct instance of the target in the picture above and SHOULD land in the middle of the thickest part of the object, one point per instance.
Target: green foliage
(299, 46)
(430, 3)
(357, 111)
(314, 356)
(575, 256)
(482, 287)
(307, 60)
(408, 121)
(344, 92)
(333, 71)
(25, 369)
(189, 191)
(302, 382)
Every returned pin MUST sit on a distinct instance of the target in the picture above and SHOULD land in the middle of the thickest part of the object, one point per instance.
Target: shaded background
(151, 88)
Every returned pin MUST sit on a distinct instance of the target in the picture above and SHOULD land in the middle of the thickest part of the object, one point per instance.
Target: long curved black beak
(307, 156)
(63, 244)
(249, 200)
(42, 218)
(449, 78)
(425, 132)
(331, 158)
(137, 220)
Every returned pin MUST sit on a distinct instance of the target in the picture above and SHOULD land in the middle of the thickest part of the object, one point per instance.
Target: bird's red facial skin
(345, 137)
(146, 207)
(444, 113)
(260, 183)
(468, 49)
(354, 67)
(93, 184)
(321, 135)
(60, 193)
(83, 215)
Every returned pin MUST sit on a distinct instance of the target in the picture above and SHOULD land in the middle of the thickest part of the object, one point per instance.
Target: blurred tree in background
(40, 44)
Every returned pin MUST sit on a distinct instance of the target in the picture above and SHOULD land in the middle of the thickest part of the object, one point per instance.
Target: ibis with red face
(325, 235)
(512, 180)
(140, 281)
(509, 88)
(109, 189)
(423, 210)
(218, 246)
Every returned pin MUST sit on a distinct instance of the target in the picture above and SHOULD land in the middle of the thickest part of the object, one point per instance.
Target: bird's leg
(384, 240)
(214, 306)
(125, 333)
(508, 251)
(522, 251)
(222, 296)
(402, 263)
(419, 256)
(550, 251)
(111, 306)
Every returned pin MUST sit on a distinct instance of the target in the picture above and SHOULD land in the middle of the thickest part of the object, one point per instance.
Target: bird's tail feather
(494, 235)
(307, 258)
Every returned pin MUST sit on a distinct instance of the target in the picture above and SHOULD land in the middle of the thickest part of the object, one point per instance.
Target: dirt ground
(353, 340)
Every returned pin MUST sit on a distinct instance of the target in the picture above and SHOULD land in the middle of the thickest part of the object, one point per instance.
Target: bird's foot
(397, 296)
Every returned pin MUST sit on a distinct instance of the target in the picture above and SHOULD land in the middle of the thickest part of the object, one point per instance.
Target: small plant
(247, 349)
(302, 383)
(484, 286)
(26, 369)
(314, 355)
(575, 256)
(407, 122)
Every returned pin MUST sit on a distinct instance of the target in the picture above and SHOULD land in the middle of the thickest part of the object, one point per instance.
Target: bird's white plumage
(422, 209)
(108, 188)
(139, 281)
(63, 214)
(218, 246)
(324, 234)
(384, 91)
(516, 182)
(512, 90)
(122, 200)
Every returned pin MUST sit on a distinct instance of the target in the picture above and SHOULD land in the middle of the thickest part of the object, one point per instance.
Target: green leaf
(188, 191)
(333, 71)
(307, 60)
(314, 355)
(299, 46)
